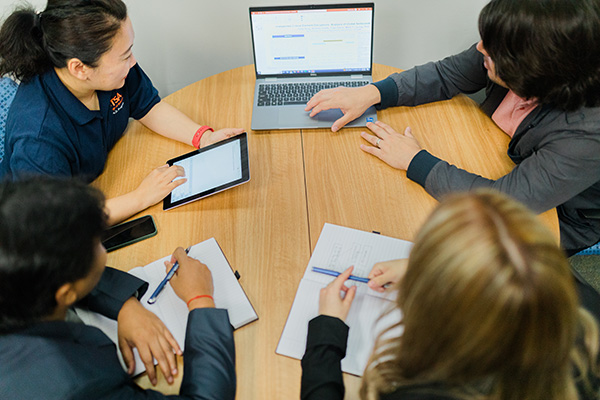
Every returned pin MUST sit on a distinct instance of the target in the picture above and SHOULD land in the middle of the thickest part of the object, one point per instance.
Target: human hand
(353, 102)
(210, 137)
(138, 327)
(331, 302)
(393, 148)
(158, 184)
(387, 272)
(191, 279)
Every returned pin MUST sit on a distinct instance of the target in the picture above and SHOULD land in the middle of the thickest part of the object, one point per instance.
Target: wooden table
(300, 179)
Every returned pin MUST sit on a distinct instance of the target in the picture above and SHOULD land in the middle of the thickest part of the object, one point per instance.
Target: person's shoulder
(31, 92)
(589, 116)
(140, 91)
(557, 124)
(137, 76)
(29, 111)
(57, 362)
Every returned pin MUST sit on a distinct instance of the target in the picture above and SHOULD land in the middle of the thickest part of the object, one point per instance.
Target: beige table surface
(300, 179)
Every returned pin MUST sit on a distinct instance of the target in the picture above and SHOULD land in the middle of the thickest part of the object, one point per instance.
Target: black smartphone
(128, 233)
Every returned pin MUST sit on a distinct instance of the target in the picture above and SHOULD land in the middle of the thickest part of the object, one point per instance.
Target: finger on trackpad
(330, 115)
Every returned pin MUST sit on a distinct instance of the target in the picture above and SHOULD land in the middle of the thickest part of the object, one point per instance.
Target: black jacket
(64, 360)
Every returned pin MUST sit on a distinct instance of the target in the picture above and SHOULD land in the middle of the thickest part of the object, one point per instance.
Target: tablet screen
(210, 170)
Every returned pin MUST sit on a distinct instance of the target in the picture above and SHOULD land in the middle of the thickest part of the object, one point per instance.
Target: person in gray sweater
(542, 82)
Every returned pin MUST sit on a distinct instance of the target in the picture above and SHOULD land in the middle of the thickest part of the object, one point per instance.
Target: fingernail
(170, 379)
(334, 129)
(174, 371)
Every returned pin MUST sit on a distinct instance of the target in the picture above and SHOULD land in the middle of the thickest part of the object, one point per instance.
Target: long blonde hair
(489, 307)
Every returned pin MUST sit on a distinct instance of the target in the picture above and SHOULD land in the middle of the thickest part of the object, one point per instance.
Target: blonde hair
(489, 307)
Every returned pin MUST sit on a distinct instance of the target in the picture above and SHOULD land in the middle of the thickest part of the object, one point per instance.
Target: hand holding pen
(332, 302)
(387, 273)
(193, 282)
(330, 272)
(382, 276)
(163, 283)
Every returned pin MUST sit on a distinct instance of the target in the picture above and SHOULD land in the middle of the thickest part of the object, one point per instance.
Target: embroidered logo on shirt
(116, 103)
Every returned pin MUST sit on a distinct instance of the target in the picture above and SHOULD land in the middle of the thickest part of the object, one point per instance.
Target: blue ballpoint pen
(161, 286)
(335, 273)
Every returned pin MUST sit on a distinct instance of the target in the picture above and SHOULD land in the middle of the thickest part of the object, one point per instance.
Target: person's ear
(66, 295)
(78, 69)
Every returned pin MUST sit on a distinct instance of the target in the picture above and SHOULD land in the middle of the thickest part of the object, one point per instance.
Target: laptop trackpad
(330, 115)
(295, 117)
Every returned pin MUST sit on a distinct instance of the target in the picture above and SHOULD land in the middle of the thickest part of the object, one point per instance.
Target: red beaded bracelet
(199, 297)
(198, 135)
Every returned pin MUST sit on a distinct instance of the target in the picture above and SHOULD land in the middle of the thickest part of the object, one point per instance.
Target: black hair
(49, 230)
(32, 43)
(546, 49)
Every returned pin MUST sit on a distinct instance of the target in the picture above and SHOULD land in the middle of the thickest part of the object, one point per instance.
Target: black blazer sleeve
(209, 359)
(113, 290)
(321, 364)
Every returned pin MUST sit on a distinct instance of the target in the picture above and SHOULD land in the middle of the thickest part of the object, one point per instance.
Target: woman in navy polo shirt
(80, 85)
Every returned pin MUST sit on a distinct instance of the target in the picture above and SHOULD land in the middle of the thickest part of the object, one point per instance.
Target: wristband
(199, 297)
(198, 135)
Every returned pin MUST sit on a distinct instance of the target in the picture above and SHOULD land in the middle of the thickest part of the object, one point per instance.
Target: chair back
(8, 89)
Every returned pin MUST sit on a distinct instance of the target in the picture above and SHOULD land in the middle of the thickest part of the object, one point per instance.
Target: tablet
(210, 170)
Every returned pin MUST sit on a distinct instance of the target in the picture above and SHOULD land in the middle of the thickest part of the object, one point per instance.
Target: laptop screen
(312, 40)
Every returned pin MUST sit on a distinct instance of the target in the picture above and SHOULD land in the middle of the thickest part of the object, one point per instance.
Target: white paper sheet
(228, 294)
(338, 248)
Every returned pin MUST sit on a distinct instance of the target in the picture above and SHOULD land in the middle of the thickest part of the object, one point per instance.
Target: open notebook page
(171, 309)
(338, 248)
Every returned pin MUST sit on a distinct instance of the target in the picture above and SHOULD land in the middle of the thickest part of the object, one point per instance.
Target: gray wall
(181, 41)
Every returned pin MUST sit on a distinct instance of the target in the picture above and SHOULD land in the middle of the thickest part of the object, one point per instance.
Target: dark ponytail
(21, 51)
(31, 44)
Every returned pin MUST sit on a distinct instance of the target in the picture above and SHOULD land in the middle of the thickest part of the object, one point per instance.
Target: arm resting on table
(321, 364)
(113, 290)
(209, 358)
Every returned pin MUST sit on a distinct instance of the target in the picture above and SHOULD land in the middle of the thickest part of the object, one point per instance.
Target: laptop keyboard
(287, 94)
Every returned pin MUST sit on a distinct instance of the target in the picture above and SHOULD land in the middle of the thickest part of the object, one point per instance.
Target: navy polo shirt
(50, 132)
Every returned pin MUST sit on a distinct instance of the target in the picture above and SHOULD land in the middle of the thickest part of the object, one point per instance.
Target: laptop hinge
(270, 79)
(360, 76)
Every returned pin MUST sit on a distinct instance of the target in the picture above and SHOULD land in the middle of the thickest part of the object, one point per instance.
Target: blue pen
(335, 273)
(161, 286)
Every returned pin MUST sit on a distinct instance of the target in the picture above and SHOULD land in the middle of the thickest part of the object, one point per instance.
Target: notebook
(228, 294)
(299, 50)
(338, 248)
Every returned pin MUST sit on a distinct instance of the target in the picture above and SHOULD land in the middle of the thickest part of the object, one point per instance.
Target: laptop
(299, 50)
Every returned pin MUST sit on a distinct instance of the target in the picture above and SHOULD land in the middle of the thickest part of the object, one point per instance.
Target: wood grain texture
(261, 225)
(268, 227)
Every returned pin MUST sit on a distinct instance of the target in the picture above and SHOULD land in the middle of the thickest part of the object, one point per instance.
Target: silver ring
(377, 142)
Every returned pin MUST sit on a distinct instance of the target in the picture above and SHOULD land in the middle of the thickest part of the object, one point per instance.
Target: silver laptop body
(299, 50)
